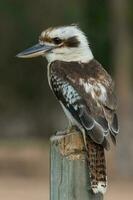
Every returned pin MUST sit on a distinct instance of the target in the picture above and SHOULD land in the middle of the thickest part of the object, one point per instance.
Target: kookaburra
(85, 91)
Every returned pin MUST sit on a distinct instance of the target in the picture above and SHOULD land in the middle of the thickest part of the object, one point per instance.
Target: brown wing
(94, 85)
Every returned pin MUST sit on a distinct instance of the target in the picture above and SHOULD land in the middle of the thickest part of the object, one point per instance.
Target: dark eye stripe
(72, 42)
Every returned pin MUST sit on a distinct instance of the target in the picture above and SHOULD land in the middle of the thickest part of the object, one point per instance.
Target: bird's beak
(34, 51)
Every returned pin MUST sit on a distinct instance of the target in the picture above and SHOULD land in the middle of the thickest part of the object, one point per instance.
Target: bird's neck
(78, 55)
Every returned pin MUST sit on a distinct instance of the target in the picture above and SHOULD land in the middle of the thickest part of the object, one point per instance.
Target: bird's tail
(97, 166)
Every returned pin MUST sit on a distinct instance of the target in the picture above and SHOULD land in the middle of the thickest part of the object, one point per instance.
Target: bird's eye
(57, 40)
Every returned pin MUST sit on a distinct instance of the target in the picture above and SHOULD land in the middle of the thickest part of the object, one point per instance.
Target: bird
(85, 91)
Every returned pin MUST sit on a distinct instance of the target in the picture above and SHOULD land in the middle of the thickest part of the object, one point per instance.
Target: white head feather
(81, 53)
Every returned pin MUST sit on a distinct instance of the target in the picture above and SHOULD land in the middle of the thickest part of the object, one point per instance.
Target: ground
(12, 188)
(24, 174)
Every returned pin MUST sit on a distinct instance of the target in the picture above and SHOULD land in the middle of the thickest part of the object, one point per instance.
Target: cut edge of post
(70, 145)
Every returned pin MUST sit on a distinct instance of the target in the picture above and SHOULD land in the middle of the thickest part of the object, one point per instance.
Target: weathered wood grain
(69, 171)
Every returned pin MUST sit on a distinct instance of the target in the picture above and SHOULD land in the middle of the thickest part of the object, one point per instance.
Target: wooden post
(69, 171)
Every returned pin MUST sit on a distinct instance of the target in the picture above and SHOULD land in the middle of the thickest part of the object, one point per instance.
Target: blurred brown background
(29, 113)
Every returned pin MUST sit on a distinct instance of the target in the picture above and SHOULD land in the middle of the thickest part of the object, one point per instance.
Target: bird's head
(66, 43)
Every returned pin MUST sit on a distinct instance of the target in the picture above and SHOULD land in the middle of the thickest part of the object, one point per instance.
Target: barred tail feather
(97, 166)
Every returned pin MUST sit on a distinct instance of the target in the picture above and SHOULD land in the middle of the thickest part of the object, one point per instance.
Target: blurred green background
(29, 113)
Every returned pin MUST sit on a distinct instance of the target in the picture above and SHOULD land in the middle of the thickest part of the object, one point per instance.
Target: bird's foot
(61, 133)
(68, 130)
